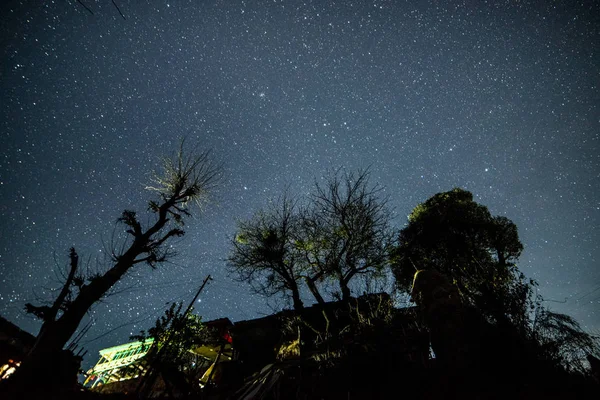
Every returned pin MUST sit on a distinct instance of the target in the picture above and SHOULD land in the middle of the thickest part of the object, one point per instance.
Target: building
(119, 367)
(118, 363)
(350, 343)
(15, 344)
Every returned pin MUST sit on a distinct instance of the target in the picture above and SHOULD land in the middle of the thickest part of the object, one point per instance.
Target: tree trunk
(343, 281)
(54, 335)
(310, 282)
(298, 304)
(346, 294)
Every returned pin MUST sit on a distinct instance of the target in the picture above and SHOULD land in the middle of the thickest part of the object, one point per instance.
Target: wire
(148, 316)
(588, 293)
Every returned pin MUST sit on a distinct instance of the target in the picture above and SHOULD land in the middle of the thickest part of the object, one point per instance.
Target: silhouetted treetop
(454, 235)
(263, 251)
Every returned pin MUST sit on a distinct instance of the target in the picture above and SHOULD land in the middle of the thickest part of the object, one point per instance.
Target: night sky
(499, 98)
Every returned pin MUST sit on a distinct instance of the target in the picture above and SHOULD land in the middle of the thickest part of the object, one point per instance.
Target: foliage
(175, 335)
(561, 340)
(175, 332)
(458, 237)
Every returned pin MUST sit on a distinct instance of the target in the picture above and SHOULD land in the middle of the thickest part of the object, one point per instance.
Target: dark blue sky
(500, 98)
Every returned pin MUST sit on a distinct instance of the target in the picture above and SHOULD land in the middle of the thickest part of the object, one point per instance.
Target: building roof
(125, 346)
(15, 343)
(8, 329)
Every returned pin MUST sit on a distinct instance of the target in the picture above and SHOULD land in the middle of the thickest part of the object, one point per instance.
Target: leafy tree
(458, 238)
(346, 229)
(186, 179)
(264, 254)
(454, 235)
(561, 341)
(175, 334)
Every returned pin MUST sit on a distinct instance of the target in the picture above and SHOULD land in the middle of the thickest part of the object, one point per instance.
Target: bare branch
(348, 228)
(263, 252)
(186, 179)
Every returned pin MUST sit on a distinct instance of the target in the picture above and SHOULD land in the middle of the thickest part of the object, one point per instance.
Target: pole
(189, 308)
(147, 381)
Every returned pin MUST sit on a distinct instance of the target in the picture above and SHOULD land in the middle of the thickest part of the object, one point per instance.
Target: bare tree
(343, 231)
(186, 179)
(347, 229)
(314, 271)
(264, 254)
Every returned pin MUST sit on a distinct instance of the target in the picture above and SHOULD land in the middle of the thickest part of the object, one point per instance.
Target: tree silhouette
(264, 254)
(175, 334)
(186, 179)
(341, 232)
(452, 234)
(457, 240)
(561, 341)
(347, 229)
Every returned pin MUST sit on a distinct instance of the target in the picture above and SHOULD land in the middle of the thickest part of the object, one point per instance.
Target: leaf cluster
(454, 235)
(175, 332)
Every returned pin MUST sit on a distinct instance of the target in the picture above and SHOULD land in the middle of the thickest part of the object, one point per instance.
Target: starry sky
(500, 98)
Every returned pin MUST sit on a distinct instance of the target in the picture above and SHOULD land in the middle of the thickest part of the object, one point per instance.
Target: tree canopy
(179, 331)
(175, 334)
(454, 235)
(462, 242)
